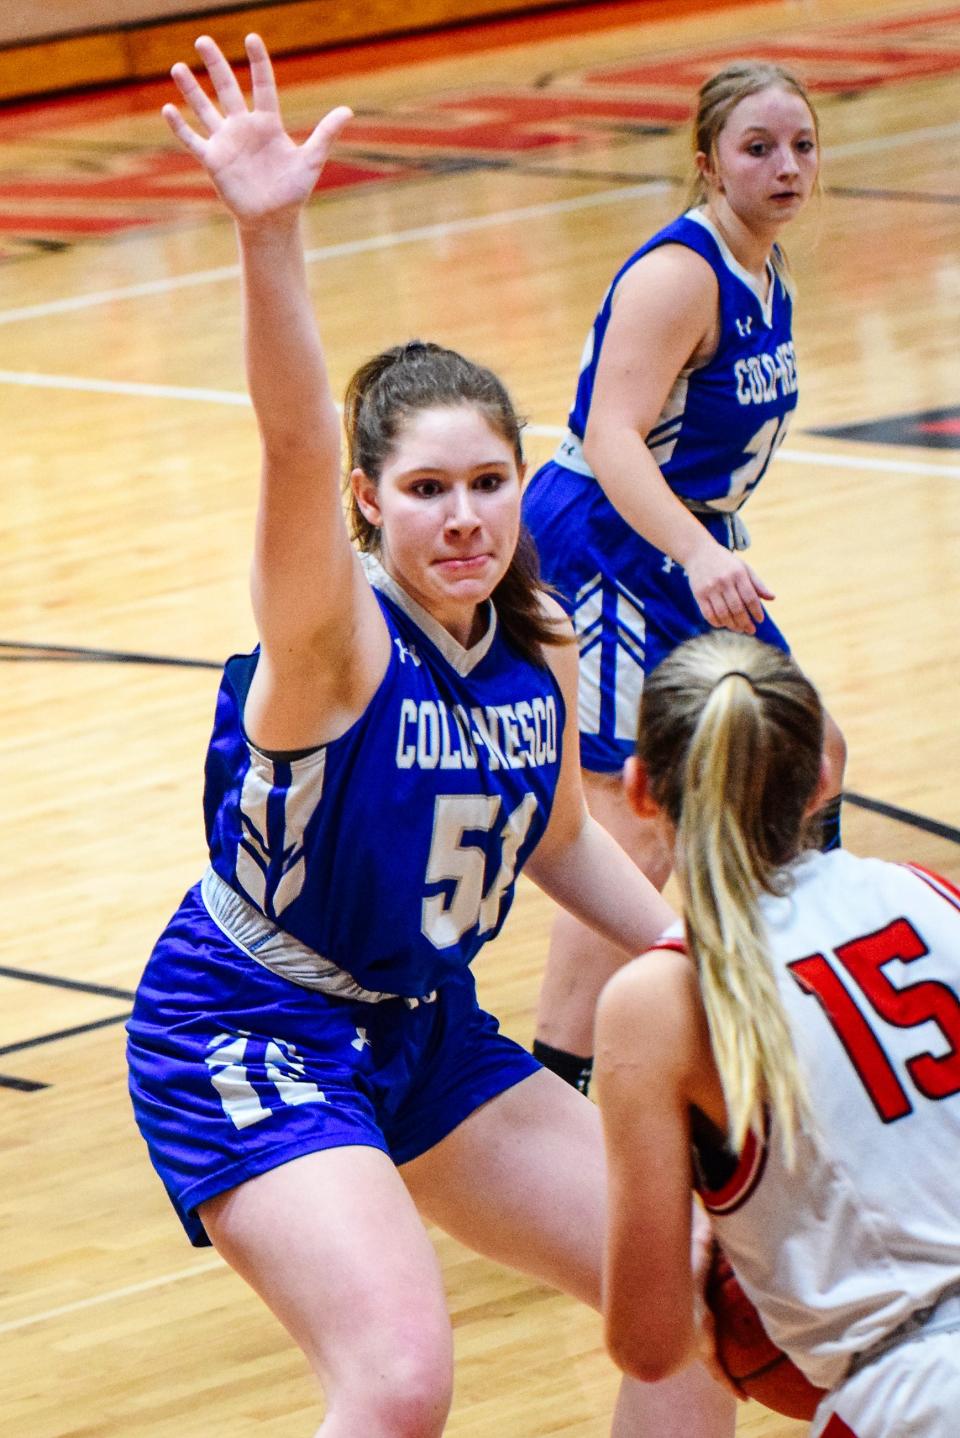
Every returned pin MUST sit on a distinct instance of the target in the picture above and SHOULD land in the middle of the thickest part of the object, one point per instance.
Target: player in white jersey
(800, 1033)
(686, 389)
(308, 1061)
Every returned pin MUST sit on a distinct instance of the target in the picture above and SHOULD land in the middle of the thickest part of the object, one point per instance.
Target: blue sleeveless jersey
(392, 851)
(631, 604)
(722, 422)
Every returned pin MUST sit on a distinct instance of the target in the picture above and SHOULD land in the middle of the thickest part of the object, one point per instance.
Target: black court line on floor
(101, 991)
(439, 164)
(903, 816)
(857, 192)
(40, 1039)
(30, 976)
(27, 1085)
(926, 428)
(16, 650)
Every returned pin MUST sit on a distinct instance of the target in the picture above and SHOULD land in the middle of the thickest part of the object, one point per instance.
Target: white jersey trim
(464, 661)
(569, 454)
(274, 949)
(734, 266)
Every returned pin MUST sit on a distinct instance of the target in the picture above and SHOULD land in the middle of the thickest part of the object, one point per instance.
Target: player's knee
(410, 1394)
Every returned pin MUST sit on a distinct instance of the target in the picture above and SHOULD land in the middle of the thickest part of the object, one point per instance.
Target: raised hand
(258, 170)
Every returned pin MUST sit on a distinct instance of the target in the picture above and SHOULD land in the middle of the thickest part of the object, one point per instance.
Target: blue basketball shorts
(234, 1070)
(630, 603)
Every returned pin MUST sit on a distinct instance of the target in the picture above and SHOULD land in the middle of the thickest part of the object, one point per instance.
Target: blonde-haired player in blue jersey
(309, 1064)
(687, 386)
(800, 1031)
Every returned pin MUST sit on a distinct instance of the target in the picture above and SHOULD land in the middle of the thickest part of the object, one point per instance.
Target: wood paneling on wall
(106, 55)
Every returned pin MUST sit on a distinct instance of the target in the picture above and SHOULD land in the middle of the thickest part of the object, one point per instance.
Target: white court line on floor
(832, 460)
(876, 464)
(868, 145)
(439, 231)
(119, 386)
(112, 1295)
(874, 144)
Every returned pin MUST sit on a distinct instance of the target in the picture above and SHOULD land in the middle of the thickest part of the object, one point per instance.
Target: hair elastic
(740, 674)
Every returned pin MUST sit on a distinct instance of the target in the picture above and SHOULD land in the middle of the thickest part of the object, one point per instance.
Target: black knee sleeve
(572, 1068)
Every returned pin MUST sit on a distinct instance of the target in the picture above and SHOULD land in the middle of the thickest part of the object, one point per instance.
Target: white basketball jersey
(865, 1230)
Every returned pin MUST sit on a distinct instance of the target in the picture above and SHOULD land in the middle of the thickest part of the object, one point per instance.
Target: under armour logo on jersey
(361, 1042)
(744, 327)
(406, 653)
(668, 564)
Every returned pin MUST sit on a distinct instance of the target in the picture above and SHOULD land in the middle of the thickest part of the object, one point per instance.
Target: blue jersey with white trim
(724, 420)
(392, 851)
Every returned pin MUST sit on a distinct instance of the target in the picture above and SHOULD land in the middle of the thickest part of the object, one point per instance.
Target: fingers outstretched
(257, 167)
(224, 81)
(318, 145)
(262, 81)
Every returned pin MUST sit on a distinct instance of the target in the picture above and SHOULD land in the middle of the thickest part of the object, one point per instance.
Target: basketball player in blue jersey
(800, 1032)
(309, 1065)
(687, 386)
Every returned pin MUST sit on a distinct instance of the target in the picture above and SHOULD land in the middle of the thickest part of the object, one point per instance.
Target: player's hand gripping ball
(756, 1366)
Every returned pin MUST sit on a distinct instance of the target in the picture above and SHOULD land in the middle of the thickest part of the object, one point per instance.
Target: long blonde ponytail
(731, 734)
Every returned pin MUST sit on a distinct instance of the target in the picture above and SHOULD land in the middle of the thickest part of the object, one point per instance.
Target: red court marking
(534, 106)
(490, 137)
(166, 175)
(517, 121)
(53, 224)
(512, 121)
(138, 98)
(827, 66)
(932, 20)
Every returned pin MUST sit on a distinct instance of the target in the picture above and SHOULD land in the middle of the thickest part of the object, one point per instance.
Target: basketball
(758, 1368)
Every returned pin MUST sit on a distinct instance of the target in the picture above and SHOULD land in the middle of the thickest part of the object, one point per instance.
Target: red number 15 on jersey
(936, 1076)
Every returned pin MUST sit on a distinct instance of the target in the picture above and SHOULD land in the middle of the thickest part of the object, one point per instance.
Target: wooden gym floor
(493, 180)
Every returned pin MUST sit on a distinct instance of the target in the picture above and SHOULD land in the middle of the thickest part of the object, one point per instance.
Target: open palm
(257, 168)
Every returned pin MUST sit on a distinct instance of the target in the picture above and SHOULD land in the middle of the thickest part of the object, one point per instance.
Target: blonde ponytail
(731, 734)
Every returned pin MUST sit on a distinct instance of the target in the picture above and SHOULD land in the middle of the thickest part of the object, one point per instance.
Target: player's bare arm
(647, 1042)
(664, 320)
(319, 625)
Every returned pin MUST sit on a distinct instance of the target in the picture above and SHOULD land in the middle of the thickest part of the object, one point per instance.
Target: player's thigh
(522, 1181)
(334, 1245)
